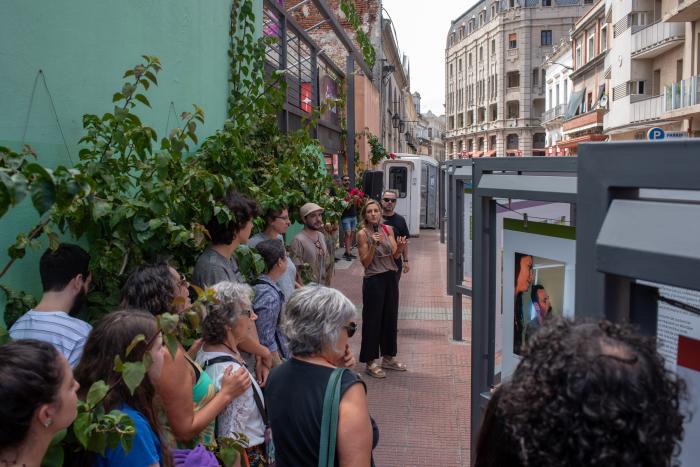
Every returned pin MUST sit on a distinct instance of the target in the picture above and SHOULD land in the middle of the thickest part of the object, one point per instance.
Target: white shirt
(241, 415)
(64, 332)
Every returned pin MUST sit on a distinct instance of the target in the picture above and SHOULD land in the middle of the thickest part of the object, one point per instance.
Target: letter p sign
(656, 133)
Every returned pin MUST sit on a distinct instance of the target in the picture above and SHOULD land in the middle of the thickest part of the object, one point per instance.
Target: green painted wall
(83, 48)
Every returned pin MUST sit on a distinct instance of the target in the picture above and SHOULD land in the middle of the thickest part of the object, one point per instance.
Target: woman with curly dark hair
(190, 402)
(590, 394)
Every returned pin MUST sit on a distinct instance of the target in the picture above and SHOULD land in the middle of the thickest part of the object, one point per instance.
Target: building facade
(646, 57)
(681, 100)
(494, 83)
(436, 135)
(587, 103)
(558, 67)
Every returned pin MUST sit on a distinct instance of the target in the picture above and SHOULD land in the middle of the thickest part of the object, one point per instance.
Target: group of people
(221, 386)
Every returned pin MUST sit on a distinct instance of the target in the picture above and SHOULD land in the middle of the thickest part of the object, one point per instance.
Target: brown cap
(308, 208)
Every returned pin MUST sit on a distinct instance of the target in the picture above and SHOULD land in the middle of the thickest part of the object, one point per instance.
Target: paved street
(423, 414)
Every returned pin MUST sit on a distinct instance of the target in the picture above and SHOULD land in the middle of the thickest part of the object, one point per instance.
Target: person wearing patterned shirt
(65, 277)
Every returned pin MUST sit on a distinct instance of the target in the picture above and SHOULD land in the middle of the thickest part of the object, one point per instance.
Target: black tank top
(294, 400)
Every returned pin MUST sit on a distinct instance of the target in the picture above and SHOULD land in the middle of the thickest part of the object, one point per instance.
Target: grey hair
(231, 301)
(313, 319)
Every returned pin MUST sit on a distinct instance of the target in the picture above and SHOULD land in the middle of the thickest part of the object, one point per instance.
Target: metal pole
(458, 260)
(350, 116)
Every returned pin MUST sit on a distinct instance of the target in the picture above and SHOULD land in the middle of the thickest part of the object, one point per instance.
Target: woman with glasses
(276, 223)
(189, 400)
(318, 323)
(379, 249)
(227, 322)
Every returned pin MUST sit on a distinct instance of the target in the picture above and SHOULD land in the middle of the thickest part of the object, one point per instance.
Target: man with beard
(398, 223)
(309, 246)
(65, 278)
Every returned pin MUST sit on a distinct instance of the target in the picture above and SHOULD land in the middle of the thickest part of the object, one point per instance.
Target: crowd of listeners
(584, 394)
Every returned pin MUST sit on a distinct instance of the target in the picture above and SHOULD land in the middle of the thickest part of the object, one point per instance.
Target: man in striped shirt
(65, 277)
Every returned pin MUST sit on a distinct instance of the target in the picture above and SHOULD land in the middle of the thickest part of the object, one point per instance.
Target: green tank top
(203, 392)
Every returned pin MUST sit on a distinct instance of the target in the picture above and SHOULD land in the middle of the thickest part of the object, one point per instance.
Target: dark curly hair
(271, 251)
(32, 375)
(150, 287)
(592, 394)
(243, 209)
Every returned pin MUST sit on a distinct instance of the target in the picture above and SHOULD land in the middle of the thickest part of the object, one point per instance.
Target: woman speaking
(378, 250)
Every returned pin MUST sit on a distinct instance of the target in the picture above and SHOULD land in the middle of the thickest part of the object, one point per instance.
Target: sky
(421, 27)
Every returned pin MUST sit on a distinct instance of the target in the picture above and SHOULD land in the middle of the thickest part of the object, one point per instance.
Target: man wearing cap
(309, 245)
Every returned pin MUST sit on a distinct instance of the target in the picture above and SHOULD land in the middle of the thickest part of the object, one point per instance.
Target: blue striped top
(66, 333)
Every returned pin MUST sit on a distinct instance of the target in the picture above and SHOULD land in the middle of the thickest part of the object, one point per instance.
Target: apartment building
(436, 132)
(494, 83)
(558, 85)
(587, 104)
(647, 56)
(682, 97)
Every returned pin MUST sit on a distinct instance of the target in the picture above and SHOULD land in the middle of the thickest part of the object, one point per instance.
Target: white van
(415, 179)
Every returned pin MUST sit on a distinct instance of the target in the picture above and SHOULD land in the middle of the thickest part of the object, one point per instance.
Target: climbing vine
(368, 52)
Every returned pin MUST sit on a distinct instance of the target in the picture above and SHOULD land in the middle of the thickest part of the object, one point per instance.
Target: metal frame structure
(530, 178)
(623, 236)
(299, 55)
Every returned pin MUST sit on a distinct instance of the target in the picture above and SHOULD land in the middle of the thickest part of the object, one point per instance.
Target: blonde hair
(363, 211)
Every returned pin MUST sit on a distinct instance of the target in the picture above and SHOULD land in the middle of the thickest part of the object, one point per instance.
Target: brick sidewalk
(423, 414)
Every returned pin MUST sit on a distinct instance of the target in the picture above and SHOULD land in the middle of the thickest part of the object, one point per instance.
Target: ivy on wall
(368, 52)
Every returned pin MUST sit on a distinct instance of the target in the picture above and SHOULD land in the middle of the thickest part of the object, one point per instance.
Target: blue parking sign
(656, 133)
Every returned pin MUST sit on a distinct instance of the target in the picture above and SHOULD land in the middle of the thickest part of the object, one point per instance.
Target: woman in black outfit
(318, 322)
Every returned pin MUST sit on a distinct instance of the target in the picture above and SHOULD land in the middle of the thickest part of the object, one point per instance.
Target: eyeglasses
(389, 200)
(351, 328)
(183, 282)
(249, 313)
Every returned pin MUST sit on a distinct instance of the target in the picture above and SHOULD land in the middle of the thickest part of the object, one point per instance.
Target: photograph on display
(538, 295)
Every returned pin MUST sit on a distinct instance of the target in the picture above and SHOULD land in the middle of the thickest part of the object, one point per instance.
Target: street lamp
(402, 126)
(395, 120)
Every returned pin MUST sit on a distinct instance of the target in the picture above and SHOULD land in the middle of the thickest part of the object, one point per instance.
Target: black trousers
(380, 315)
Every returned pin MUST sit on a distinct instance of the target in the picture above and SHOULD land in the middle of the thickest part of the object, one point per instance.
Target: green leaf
(81, 428)
(141, 98)
(228, 456)
(117, 97)
(134, 342)
(133, 374)
(97, 392)
(172, 343)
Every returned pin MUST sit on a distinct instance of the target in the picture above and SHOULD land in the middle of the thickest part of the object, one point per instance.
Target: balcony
(688, 10)
(646, 108)
(656, 39)
(585, 121)
(554, 113)
(682, 96)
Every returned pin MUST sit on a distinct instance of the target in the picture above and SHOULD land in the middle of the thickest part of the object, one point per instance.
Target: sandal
(375, 371)
(394, 365)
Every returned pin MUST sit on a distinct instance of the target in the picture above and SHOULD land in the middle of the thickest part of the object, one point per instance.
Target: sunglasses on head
(351, 328)
(389, 200)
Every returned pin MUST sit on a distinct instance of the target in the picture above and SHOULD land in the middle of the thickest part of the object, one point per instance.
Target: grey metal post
(442, 174)
(458, 261)
(350, 116)
(451, 233)
(315, 98)
(284, 114)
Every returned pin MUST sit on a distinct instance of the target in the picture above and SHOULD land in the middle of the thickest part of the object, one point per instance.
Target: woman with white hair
(318, 322)
(228, 321)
